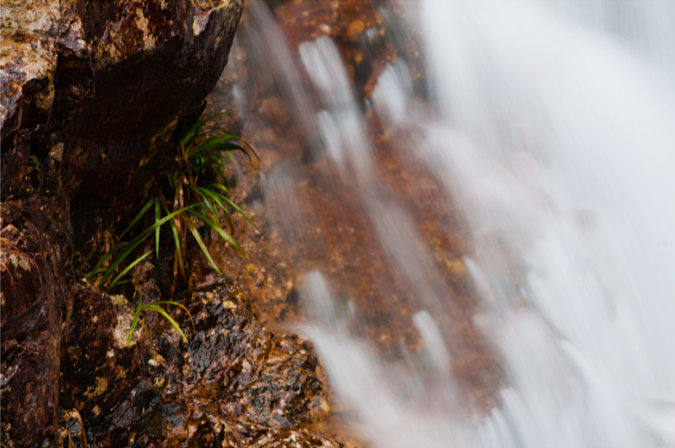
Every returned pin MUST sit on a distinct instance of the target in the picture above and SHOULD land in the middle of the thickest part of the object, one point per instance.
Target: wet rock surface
(233, 384)
(101, 377)
(34, 303)
(102, 86)
(247, 382)
(92, 95)
(261, 378)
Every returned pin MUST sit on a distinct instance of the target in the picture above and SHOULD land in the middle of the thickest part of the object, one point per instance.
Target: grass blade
(130, 267)
(218, 199)
(140, 214)
(160, 310)
(137, 242)
(201, 244)
(211, 197)
(174, 303)
(204, 198)
(157, 218)
(98, 268)
(134, 321)
(199, 124)
(215, 144)
(237, 208)
(220, 187)
(128, 249)
(248, 150)
(223, 234)
(176, 240)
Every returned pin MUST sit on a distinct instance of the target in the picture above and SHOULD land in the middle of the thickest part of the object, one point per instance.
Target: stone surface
(233, 384)
(90, 95)
(32, 301)
(109, 81)
(247, 382)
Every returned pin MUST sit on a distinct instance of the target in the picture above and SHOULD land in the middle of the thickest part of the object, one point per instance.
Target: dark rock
(295, 439)
(33, 300)
(234, 384)
(109, 80)
(91, 92)
(98, 368)
(260, 378)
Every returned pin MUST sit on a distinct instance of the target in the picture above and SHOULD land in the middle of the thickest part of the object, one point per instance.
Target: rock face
(92, 96)
(233, 384)
(102, 85)
(91, 93)
(34, 298)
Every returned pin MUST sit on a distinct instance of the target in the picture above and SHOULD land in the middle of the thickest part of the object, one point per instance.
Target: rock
(91, 93)
(32, 310)
(98, 368)
(261, 378)
(110, 81)
(295, 439)
(234, 384)
(254, 387)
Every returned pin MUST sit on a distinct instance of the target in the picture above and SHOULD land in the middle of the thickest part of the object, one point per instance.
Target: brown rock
(90, 92)
(259, 377)
(234, 384)
(109, 80)
(32, 309)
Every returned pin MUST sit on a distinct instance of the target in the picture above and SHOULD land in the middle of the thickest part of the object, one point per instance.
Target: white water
(554, 132)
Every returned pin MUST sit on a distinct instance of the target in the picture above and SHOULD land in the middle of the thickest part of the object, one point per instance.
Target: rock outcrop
(233, 384)
(90, 95)
(101, 86)
(93, 94)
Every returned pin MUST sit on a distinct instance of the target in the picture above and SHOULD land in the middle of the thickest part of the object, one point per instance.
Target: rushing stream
(550, 127)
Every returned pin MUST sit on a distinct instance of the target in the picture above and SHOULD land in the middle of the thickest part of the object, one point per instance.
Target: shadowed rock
(90, 95)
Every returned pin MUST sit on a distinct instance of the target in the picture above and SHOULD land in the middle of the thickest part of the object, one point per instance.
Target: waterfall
(550, 128)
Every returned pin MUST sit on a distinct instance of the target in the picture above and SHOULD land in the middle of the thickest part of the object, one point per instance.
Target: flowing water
(550, 127)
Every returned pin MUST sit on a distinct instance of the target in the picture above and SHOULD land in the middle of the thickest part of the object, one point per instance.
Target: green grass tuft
(190, 195)
(194, 196)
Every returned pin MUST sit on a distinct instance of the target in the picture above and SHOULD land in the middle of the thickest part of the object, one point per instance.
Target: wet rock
(71, 429)
(295, 439)
(110, 81)
(261, 378)
(234, 384)
(153, 63)
(32, 304)
(99, 370)
(90, 92)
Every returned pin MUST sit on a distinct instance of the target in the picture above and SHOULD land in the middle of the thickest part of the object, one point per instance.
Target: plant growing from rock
(192, 195)
(141, 307)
